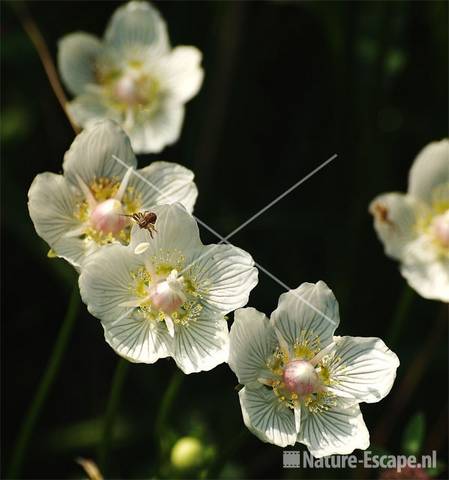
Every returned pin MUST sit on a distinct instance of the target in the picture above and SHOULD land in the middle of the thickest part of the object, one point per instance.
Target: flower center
(168, 295)
(107, 217)
(134, 88)
(300, 377)
(440, 229)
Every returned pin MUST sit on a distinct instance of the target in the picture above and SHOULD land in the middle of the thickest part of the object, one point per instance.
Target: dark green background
(287, 84)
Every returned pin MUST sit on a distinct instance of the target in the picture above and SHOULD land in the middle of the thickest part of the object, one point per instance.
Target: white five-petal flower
(132, 76)
(82, 210)
(168, 295)
(414, 227)
(302, 383)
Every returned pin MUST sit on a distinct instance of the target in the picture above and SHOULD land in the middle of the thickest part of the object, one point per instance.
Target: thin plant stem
(164, 411)
(51, 372)
(111, 413)
(400, 315)
(34, 34)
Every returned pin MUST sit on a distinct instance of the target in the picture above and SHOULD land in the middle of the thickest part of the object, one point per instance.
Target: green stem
(34, 34)
(402, 309)
(111, 413)
(164, 411)
(54, 363)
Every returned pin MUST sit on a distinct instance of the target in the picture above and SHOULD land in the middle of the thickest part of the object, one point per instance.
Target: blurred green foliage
(413, 439)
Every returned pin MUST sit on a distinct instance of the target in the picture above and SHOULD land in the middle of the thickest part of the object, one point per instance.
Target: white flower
(301, 383)
(80, 211)
(414, 227)
(168, 295)
(132, 76)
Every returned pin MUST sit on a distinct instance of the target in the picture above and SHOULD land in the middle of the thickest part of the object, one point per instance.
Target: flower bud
(187, 453)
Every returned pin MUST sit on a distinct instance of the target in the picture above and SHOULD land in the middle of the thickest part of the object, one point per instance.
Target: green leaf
(414, 435)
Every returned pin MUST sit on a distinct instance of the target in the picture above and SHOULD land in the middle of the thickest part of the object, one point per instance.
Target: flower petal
(165, 183)
(362, 369)
(137, 24)
(138, 339)
(270, 420)
(430, 169)
(338, 430)
(177, 230)
(52, 204)
(309, 312)
(90, 108)
(252, 342)
(92, 153)
(151, 133)
(426, 271)
(202, 344)
(77, 54)
(181, 73)
(395, 216)
(105, 281)
(223, 275)
(74, 249)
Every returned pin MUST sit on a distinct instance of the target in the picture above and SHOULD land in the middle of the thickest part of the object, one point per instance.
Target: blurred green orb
(187, 453)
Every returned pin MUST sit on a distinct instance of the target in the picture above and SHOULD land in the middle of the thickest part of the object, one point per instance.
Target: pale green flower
(302, 383)
(168, 295)
(414, 227)
(80, 211)
(132, 76)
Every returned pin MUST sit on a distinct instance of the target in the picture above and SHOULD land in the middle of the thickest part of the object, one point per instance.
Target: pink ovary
(165, 298)
(107, 217)
(300, 377)
(441, 229)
